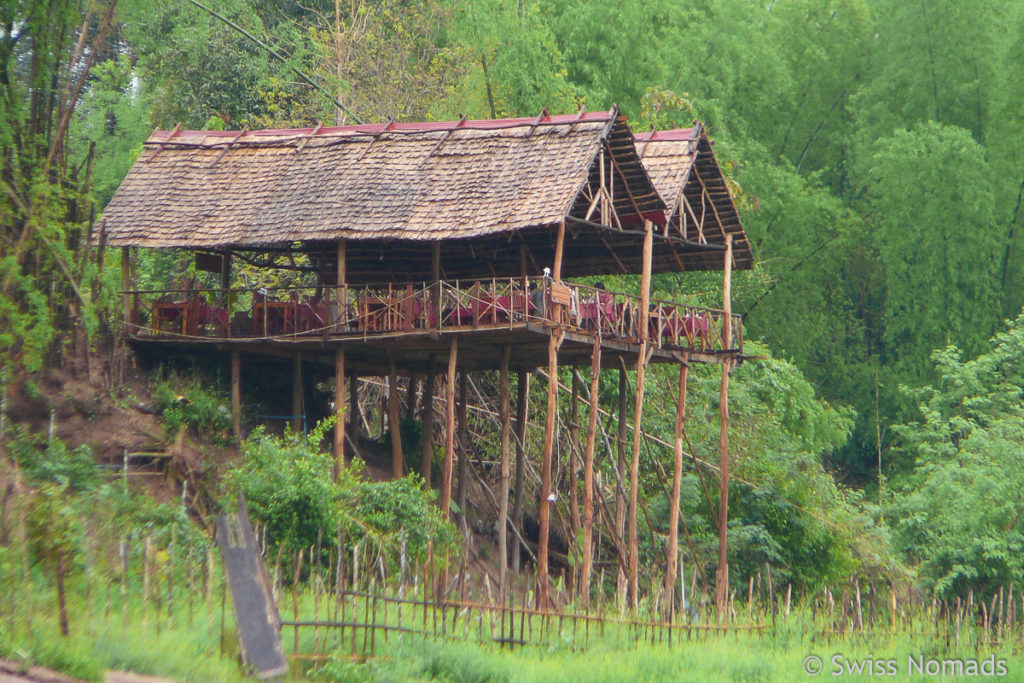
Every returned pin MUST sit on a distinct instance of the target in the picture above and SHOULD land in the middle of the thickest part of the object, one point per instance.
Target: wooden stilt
(297, 393)
(588, 474)
(506, 472)
(620, 494)
(410, 396)
(449, 430)
(546, 495)
(573, 451)
(395, 424)
(339, 410)
(522, 408)
(463, 456)
(126, 299)
(722, 578)
(672, 552)
(225, 287)
(236, 395)
(355, 416)
(428, 425)
(638, 410)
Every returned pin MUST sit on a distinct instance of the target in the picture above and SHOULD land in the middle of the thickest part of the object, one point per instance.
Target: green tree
(958, 518)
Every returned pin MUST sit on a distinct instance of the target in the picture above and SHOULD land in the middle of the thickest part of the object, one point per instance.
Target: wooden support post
(428, 425)
(395, 424)
(643, 321)
(339, 410)
(435, 278)
(588, 474)
(354, 414)
(463, 463)
(236, 395)
(506, 472)
(620, 493)
(722, 578)
(449, 430)
(126, 299)
(341, 293)
(133, 262)
(546, 495)
(672, 553)
(522, 409)
(573, 451)
(297, 393)
(225, 282)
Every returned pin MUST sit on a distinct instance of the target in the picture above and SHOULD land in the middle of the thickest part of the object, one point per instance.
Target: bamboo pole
(339, 410)
(588, 474)
(449, 432)
(638, 409)
(428, 425)
(522, 408)
(236, 395)
(126, 299)
(506, 467)
(620, 493)
(463, 463)
(297, 393)
(574, 450)
(546, 496)
(394, 423)
(722, 578)
(677, 473)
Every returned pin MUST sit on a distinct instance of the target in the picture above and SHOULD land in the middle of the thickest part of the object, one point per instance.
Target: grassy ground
(188, 648)
(774, 657)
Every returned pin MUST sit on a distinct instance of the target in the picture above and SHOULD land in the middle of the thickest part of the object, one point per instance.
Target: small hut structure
(421, 248)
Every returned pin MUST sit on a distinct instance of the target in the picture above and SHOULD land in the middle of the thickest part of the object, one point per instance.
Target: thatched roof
(682, 164)
(419, 181)
(484, 189)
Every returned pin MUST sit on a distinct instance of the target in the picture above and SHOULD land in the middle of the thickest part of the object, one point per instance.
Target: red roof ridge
(402, 127)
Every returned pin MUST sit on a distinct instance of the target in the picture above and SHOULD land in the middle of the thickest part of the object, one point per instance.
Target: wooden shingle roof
(403, 181)
(682, 166)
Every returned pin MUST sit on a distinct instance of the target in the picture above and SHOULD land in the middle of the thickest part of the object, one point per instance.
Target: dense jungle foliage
(875, 154)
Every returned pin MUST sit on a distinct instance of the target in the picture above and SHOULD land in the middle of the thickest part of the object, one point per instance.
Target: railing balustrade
(391, 309)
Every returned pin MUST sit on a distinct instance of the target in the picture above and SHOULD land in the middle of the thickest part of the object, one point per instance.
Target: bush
(55, 462)
(190, 404)
(288, 486)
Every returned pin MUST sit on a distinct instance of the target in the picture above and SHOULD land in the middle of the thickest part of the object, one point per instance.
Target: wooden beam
(672, 552)
(522, 410)
(340, 293)
(619, 532)
(574, 451)
(722, 578)
(355, 414)
(449, 431)
(395, 423)
(506, 470)
(588, 473)
(556, 271)
(339, 410)
(463, 432)
(638, 411)
(546, 495)
(126, 266)
(297, 392)
(428, 426)
(236, 395)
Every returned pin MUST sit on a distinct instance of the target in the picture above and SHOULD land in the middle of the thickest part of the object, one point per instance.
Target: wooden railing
(394, 309)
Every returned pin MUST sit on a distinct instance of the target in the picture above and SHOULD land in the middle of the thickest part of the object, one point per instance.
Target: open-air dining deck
(392, 310)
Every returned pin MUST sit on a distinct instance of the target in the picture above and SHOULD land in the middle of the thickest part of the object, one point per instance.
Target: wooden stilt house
(430, 249)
